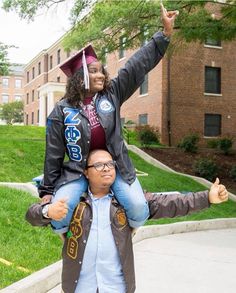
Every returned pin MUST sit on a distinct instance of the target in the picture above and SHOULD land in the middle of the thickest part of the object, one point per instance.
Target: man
(97, 253)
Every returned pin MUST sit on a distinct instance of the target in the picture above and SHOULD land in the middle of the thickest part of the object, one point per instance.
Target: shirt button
(85, 159)
(88, 124)
(76, 281)
(88, 141)
(90, 220)
(84, 241)
(80, 262)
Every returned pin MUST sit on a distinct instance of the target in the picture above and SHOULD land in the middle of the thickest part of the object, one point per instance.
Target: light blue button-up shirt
(101, 268)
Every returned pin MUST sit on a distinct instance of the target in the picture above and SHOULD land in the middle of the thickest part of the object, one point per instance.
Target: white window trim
(211, 137)
(212, 94)
(122, 58)
(143, 95)
(213, 47)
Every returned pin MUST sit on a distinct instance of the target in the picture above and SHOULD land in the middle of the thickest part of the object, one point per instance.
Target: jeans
(131, 197)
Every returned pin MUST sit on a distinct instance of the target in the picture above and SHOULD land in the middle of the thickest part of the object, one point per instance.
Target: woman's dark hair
(75, 89)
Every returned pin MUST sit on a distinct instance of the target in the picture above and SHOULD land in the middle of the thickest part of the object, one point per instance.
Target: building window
(212, 42)
(33, 73)
(58, 79)
(39, 68)
(27, 98)
(50, 62)
(32, 95)
(27, 119)
(58, 56)
(32, 118)
(18, 98)
(122, 47)
(38, 92)
(212, 80)
(144, 86)
(18, 83)
(143, 119)
(5, 82)
(27, 76)
(212, 125)
(5, 99)
(38, 116)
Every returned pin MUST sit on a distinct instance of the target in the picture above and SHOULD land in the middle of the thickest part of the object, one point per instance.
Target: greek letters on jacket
(74, 247)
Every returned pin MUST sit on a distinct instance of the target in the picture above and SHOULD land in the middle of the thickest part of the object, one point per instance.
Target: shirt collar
(110, 194)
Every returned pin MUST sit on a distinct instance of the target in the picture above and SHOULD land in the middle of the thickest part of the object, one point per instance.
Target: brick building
(191, 91)
(12, 86)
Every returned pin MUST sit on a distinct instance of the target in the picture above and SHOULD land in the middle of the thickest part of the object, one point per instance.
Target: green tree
(12, 112)
(4, 63)
(136, 20)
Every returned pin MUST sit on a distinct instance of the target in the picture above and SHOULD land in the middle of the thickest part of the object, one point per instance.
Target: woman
(88, 117)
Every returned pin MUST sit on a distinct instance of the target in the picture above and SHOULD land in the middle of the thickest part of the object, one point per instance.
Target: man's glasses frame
(101, 166)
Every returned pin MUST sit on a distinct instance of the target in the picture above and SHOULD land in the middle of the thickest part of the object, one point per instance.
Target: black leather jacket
(68, 129)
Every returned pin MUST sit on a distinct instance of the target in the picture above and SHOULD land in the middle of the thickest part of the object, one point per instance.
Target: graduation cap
(81, 59)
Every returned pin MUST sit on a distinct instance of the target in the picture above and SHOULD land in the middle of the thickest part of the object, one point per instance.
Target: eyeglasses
(101, 166)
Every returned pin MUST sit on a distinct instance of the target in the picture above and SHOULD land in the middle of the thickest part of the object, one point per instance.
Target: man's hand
(218, 192)
(58, 210)
(168, 20)
(46, 199)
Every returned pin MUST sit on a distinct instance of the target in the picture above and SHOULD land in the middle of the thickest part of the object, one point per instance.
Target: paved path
(196, 262)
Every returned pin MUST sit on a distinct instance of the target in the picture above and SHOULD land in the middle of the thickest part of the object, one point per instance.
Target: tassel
(86, 74)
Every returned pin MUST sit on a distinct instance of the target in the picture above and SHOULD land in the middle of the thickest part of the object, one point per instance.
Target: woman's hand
(168, 19)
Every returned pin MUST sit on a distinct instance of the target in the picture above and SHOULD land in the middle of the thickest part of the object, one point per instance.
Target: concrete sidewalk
(196, 262)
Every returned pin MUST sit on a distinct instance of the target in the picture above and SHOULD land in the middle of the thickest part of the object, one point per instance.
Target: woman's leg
(131, 197)
(73, 191)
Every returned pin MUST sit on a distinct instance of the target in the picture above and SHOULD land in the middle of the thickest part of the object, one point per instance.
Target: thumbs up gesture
(218, 193)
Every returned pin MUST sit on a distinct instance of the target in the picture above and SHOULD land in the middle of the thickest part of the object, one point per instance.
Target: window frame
(58, 56)
(122, 41)
(18, 80)
(212, 83)
(5, 82)
(208, 128)
(143, 89)
(140, 116)
(5, 95)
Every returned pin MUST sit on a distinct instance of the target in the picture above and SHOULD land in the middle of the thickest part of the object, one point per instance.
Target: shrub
(213, 143)
(225, 144)
(129, 122)
(206, 168)
(147, 134)
(233, 173)
(189, 143)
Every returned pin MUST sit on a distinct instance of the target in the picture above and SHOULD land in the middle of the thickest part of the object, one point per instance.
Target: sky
(34, 36)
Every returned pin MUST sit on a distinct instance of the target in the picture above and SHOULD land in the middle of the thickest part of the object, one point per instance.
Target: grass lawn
(21, 152)
(32, 248)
